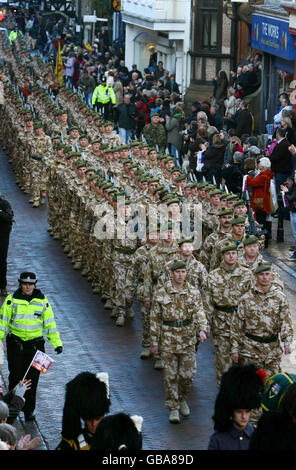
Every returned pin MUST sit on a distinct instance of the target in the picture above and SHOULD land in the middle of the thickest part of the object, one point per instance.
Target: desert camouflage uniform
(178, 343)
(208, 246)
(221, 296)
(267, 318)
(134, 287)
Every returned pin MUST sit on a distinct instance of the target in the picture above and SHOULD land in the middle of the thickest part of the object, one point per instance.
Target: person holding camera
(126, 121)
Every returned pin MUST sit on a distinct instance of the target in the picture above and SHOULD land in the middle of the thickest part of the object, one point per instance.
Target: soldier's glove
(59, 350)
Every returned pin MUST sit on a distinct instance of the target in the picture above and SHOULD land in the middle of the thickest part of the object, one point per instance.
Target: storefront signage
(272, 35)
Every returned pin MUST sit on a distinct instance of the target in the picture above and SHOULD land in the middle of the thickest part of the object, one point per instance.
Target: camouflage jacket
(155, 135)
(224, 290)
(263, 315)
(173, 305)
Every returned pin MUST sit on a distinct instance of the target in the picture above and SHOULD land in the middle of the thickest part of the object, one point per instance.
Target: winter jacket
(174, 127)
(214, 157)
(281, 158)
(261, 188)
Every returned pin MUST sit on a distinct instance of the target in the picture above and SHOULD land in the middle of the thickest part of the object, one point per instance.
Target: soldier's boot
(114, 313)
(67, 248)
(130, 312)
(56, 236)
(174, 416)
(36, 203)
(108, 304)
(84, 272)
(77, 265)
(184, 408)
(31, 200)
(96, 289)
(145, 354)
(158, 365)
(120, 320)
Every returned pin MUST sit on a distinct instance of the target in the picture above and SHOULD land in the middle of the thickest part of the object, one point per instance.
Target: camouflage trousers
(38, 180)
(223, 360)
(120, 267)
(145, 326)
(179, 372)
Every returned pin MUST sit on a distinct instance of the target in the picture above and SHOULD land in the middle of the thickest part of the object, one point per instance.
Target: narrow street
(93, 343)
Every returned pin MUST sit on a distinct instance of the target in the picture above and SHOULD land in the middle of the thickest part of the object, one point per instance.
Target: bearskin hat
(87, 397)
(241, 387)
(118, 432)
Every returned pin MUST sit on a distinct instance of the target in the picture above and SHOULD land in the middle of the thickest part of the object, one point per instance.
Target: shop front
(271, 36)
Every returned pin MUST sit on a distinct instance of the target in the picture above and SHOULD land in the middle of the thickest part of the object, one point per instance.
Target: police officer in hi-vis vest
(24, 316)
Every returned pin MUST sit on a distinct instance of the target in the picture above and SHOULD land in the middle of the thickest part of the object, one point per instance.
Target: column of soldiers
(63, 151)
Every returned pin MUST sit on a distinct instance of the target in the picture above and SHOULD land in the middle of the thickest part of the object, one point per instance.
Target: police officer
(24, 316)
(103, 95)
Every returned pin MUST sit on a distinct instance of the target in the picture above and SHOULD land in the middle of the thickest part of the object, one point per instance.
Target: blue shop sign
(272, 35)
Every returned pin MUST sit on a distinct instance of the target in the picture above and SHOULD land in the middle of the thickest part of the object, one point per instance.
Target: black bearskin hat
(241, 387)
(275, 431)
(118, 432)
(87, 397)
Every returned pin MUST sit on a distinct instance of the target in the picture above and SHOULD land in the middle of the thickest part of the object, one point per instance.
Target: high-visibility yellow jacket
(28, 320)
(103, 94)
(14, 34)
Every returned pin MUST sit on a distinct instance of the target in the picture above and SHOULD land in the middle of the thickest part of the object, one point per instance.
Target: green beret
(74, 128)
(250, 240)
(178, 264)
(238, 219)
(201, 185)
(151, 149)
(166, 196)
(231, 197)
(38, 125)
(89, 170)
(225, 211)
(153, 180)
(228, 246)
(223, 196)
(214, 192)
(102, 146)
(182, 177)
(264, 266)
(79, 163)
(240, 202)
(175, 170)
(209, 187)
(158, 189)
(185, 240)
(172, 201)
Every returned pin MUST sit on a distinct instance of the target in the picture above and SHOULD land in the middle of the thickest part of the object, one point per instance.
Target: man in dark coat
(126, 121)
(281, 159)
(6, 219)
(244, 124)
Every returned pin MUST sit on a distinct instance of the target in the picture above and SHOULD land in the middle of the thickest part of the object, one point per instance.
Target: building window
(208, 25)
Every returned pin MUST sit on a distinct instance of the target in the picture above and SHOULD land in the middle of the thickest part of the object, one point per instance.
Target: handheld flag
(41, 361)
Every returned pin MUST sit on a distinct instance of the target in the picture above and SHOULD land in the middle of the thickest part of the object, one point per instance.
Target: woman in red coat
(260, 185)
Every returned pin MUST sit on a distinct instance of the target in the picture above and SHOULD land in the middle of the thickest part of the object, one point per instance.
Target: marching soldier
(176, 316)
(225, 286)
(262, 322)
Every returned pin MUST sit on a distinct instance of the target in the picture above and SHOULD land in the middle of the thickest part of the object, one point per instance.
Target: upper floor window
(208, 25)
